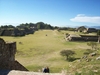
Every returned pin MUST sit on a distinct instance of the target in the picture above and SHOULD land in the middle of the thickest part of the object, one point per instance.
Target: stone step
(15, 72)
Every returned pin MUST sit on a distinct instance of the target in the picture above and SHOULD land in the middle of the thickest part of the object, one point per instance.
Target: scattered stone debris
(93, 54)
(98, 58)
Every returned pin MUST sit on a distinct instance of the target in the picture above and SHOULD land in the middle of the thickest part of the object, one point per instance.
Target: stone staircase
(16, 72)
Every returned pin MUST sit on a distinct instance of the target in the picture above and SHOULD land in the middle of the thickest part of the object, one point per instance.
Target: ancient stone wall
(16, 32)
(7, 32)
(7, 56)
(83, 38)
(89, 37)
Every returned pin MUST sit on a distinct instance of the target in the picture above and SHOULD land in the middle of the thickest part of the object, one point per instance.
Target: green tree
(47, 26)
(40, 25)
(93, 45)
(67, 53)
(32, 25)
(11, 26)
(98, 34)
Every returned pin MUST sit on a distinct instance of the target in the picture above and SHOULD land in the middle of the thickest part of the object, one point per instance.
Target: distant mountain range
(97, 27)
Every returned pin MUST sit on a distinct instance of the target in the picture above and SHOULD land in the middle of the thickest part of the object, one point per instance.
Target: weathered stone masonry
(7, 56)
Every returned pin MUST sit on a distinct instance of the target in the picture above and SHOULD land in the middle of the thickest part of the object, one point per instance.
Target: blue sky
(54, 12)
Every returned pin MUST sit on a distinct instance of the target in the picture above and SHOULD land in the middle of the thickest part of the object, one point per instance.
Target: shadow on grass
(71, 59)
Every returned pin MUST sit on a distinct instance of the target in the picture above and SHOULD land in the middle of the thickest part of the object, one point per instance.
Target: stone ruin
(7, 56)
(82, 38)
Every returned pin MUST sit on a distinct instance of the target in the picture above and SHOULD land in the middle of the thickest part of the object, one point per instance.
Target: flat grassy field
(43, 49)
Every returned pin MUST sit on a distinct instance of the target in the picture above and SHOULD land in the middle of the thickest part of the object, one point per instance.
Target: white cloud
(88, 19)
(80, 15)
